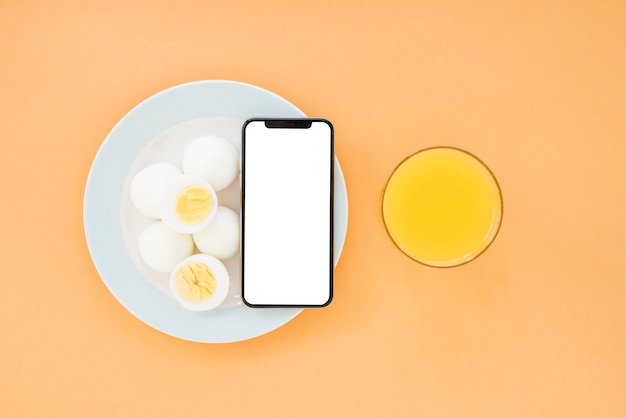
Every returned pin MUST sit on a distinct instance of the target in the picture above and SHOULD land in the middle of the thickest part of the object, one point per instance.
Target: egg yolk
(195, 282)
(193, 204)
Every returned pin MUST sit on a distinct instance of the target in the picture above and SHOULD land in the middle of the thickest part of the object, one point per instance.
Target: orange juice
(442, 207)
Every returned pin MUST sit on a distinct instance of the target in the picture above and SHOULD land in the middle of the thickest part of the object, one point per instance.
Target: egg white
(148, 185)
(221, 237)
(213, 158)
(162, 248)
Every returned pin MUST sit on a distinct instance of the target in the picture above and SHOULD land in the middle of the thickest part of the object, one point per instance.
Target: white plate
(104, 191)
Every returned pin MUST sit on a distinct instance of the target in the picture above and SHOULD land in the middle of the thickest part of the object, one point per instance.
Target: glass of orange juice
(442, 206)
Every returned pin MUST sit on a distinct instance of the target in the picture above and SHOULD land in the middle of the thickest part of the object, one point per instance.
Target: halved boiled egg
(221, 237)
(188, 204)
(148, 185)
(200, 282)
(213, 158)
(161, 248)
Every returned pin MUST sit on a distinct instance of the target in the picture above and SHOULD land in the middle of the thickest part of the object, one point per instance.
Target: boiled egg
(213, 158)
(148, 185)
(221, 237)
(188, 204)
(161, 248)
(200, 282)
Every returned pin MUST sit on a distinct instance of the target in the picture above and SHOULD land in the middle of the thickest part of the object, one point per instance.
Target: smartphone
(287, 174)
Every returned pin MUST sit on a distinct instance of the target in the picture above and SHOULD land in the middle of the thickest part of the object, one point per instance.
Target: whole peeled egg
(213, 158)
(148, 185)
(200, 282)
(221, 237)
(162, 248)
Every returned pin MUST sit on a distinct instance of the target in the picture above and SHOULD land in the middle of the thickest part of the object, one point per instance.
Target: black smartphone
(287, 174)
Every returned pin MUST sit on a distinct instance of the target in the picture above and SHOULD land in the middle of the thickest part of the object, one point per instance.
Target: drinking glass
(442, 206)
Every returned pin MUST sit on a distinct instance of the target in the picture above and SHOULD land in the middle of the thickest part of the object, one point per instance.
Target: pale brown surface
(536, 327)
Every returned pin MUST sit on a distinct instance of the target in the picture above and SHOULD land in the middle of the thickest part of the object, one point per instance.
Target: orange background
(536, 327)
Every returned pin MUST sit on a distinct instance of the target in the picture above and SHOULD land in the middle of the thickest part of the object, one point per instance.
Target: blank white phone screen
(287, 209)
